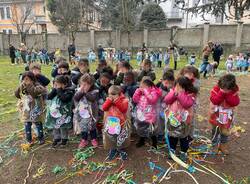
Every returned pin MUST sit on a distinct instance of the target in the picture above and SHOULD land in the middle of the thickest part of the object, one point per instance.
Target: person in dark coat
(217, 53)
(71, 51)
(12, 50)
(100, 52)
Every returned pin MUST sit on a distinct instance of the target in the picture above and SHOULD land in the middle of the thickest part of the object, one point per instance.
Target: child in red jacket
(116, 129)
(224, 98)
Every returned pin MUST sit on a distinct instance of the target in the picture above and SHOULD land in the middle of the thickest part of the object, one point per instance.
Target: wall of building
(234, 36)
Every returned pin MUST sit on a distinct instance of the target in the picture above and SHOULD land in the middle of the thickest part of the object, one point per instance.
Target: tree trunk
(73, 37)
(22, 37)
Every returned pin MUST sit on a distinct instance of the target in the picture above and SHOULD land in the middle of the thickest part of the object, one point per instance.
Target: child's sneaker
(94, 143)
(224, 148)
(183, 156)
(83, 144)
(55, 142)
(64, 142)
(41, 142)
(123, 155)
(112, 154)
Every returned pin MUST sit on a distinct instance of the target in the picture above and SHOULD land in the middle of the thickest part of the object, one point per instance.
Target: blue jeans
(28, 132)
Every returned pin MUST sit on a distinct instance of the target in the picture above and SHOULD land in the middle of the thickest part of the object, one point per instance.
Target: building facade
(177, 17)
(38, 20)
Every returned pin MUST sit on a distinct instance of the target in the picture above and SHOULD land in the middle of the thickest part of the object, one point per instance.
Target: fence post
(205, 33)
(145, 37)
(92, 38)
(117, 39)
(2, 44)
(238, 35)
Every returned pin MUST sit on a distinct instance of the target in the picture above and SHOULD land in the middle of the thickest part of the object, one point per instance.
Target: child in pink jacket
(179, 113)
(146, 98)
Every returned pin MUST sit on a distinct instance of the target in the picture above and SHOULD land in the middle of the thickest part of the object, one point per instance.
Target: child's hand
(85, 88)
(225, 90)
(178, 89)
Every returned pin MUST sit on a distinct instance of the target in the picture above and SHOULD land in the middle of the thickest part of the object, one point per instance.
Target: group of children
(157, 57)
(117, 103)
(239, 63)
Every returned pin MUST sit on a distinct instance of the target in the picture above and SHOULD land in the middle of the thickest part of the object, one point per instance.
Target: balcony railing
(174, 15)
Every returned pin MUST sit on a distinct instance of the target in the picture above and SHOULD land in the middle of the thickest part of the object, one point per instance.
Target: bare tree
(22, 17)
(231, 9)
(65, 14)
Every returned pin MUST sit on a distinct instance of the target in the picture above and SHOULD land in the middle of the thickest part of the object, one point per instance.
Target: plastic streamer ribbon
(40, 171)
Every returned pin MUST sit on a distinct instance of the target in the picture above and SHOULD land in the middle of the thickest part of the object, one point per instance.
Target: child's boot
(123, 155)
(41, 142)
(94, 143)
(223, 147)
(64, 142)
(154, 141)
(55, 142)
(183, 156)
(83, 143)
(112, 154)
(141, 142)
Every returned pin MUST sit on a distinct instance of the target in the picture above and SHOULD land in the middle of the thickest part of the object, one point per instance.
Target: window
(195, 2)
(5, 13)
(5, 31)
(2, 13)
(10, 31)
(33, 31)
(91, 16)
(44, 9)
(204, 1)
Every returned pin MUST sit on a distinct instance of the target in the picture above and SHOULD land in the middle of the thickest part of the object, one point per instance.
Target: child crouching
(116, 133)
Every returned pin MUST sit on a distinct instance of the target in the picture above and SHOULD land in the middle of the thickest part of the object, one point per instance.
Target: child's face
(178, 88)
(83, 67)
(123, 70)
(189, 75)
(146, 67)
(85, 87)
(62, 71)
(128, 80)
(36, 71)
(167, 83)
(226, 90)
(27, 80)
(104, 81)
(113, 95)
(58, 85)
(143, 86)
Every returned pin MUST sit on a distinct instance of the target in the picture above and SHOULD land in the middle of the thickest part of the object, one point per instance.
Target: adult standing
(217, 53)
(175, 55)
(143, 50)
(100, 52)
(23, 50)
(71, 51)
(12, 50)
(207, 50)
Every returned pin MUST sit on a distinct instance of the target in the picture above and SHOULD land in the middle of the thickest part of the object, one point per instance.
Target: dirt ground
(236, 165)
